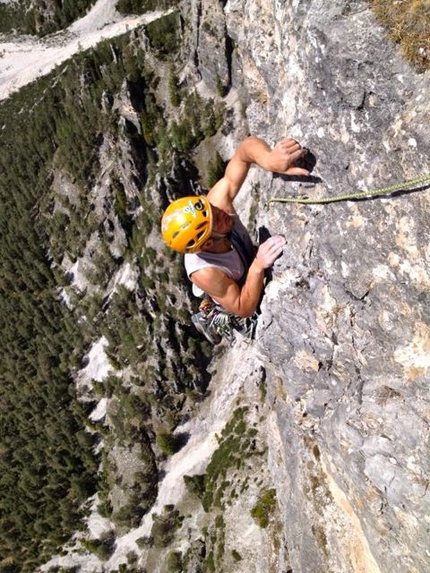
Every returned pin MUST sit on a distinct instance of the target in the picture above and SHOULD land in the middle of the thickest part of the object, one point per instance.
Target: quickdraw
(225, 323)
(350, 196)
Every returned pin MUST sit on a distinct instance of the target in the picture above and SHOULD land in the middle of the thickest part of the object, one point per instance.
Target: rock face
(341, 359)
(345, 325)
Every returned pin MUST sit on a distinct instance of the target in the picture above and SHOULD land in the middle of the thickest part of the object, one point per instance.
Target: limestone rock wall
(345, 326)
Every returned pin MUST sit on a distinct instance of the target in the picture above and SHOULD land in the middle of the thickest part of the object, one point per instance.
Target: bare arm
(280, 159)
(241, 301)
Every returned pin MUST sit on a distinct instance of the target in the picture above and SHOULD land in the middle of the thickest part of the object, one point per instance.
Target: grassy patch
(408, 24)
(264, 507)
(164, 526)
(236, 445)
(225, 479)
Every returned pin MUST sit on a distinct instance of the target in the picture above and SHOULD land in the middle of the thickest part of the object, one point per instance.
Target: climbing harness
(212, 318)
(349, 196)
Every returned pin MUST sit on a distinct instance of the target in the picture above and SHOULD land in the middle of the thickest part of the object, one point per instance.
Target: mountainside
(129, 444)
(345, 330)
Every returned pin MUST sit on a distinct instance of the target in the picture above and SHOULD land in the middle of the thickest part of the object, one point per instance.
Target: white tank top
(230, 262)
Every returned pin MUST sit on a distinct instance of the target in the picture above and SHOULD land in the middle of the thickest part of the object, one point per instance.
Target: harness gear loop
(348, 196)
(225, 323)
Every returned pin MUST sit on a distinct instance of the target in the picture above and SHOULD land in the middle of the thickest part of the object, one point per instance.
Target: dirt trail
(26, 58)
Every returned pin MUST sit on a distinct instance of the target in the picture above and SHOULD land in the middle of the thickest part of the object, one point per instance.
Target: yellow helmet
(187, 223)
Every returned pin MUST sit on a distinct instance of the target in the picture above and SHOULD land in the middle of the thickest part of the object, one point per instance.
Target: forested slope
(40, 17)
(65, 133)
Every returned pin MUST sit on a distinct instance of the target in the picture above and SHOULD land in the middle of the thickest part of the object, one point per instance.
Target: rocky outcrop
(336, 381)
(345, 328)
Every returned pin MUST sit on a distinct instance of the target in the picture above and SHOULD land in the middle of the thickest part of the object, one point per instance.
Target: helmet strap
(218, 237)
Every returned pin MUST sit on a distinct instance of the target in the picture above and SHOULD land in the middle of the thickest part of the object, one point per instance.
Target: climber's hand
(269, 251)
(283, 156)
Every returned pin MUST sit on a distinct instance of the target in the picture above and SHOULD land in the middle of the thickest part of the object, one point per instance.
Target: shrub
(216, 170)
(164, 34)
(164, 527)
(195, 485)
(173, 562)
(168, 443)
(142, 6)
(174, 90)
(264, 507)
(102, 548)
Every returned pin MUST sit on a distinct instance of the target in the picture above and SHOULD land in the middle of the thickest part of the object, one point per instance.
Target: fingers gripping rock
(270, 250)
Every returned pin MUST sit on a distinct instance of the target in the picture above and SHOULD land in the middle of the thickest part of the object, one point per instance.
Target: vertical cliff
(344, 331)
(334, 389)
(303, 451)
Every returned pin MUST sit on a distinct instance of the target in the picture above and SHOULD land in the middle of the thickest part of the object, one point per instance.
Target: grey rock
(345, 321)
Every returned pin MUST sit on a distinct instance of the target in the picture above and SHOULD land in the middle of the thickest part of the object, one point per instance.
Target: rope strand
(348, 196)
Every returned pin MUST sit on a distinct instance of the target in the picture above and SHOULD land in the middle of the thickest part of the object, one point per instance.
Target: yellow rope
(358, 195)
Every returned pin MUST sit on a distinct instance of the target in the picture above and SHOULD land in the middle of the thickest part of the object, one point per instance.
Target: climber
(220, 259)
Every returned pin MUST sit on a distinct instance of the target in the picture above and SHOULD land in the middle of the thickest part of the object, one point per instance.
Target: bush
(168, 443)
(164, 35)
(174, 90)
(164, 527)
(142, 6)
(264, 507)
(216, 170)
(173, 563)
(196, 485)
(102, 548)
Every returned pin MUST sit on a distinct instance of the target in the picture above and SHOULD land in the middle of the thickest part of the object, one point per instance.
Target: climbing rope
(348, 196)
